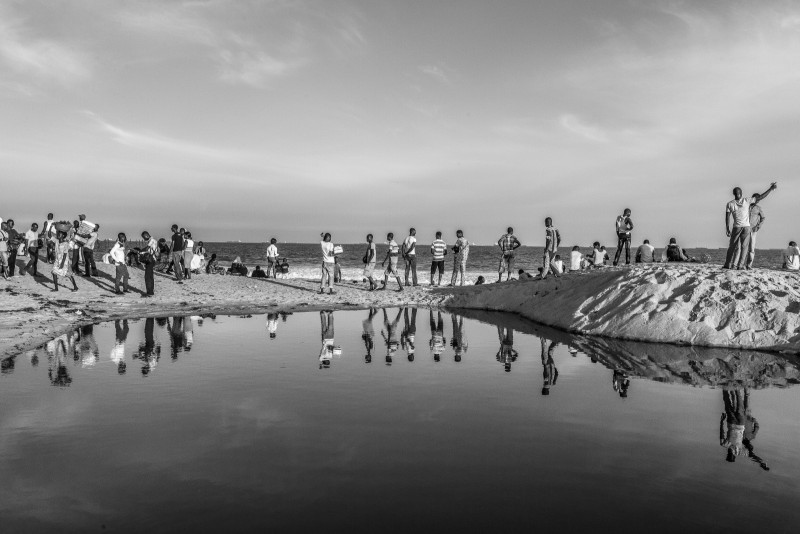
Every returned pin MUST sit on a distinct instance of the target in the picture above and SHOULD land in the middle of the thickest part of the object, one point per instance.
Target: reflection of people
(326, 327)
(390, 335)
(272, 325)
(621, 382)
(738, 427)
(459, 341)
(506, 355)
(549, 371)
(368, 334)
(58, 349)
(118, 351)
(149, 351)
(176, 336)
(437, 342)
(408, 336)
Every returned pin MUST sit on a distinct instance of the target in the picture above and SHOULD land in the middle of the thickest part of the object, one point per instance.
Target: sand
(686, 304)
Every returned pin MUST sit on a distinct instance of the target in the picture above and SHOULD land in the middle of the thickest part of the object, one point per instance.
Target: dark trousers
(737, 246)
(177, 256)
(411, 267)
(149, 279)
(12, 260)
(121, 275)
(51, 251)
(623, 241)
(34, 261)
(89, 265)
(76, 258)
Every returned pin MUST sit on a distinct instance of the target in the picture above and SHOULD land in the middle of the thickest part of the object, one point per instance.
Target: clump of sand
(687, 304)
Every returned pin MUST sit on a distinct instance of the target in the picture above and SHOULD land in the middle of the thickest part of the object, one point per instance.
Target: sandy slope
(691, 304)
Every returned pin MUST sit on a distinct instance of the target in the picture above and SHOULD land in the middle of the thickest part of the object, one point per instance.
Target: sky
(244, 120)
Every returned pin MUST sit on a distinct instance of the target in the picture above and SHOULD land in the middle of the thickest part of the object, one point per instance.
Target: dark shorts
(624, 237)
(437, 265)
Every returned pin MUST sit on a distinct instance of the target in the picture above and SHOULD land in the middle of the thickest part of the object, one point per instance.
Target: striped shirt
(394, 248)
(438, 249)
(507, 242)
(552, 237)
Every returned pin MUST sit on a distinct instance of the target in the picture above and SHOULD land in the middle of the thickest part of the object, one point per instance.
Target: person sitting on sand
(673, 252)
(522, 275)
(480, 281)
(576, 260)
(606, 257)
(645, 253)
(237, 268)
(258, 272)
(284, 268)
(597, 256)
(558, 265)
(213, 266)
(791, 257)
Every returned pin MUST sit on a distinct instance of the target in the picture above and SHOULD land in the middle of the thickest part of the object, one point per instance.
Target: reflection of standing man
(738, 210)
(738, 427)
(118, 352)
(368, 334)
(549, 371)
(326, 327)
(409, 334)
(459, 341)
(620, 382)
(506, 355)
(437, 342)
(272, 325)
(390, 335)
(149, 352)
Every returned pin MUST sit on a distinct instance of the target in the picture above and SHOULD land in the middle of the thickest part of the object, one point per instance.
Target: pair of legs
(411, 268)
(55, 282)
(4, 264)
(327, 277)
(623, 241)
(176, 264)
(549, 264)
(459, 268)
(392, 269)
(76, 258)
(51, 251)
(187, 264)
(121, 275)
(89, 266)
(149, 278)
(437, 265)
(272, 267)
(506, 265)
(12, 261)
(369, 269)
(737, 248)
(34, 261)
(751, 250)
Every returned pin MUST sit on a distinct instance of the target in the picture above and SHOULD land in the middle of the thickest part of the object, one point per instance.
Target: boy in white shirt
(791, 257)
(558, 265)
(272, 258)
(32, 248)
(327, 263)
(118, 257)
(576, 261)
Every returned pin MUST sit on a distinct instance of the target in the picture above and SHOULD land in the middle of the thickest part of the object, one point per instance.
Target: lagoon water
(390, 420)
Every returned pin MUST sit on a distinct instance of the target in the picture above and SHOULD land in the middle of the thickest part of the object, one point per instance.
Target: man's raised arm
(762, 196)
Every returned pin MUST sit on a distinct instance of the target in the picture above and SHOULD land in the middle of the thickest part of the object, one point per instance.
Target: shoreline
(679, 304)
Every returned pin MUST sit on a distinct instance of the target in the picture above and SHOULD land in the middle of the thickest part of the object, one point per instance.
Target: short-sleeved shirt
(741, 212)
(394, 248)
(575, 260)
(507, 242)
(438, 248)
(31, 238)
(792, 257)
(272, 251)
(756, 215)
(410, 240)
(645, 252)
(327, 251)
(92, 240)
(463, 248)
(551, 239)
(177, 242)
(371, 252)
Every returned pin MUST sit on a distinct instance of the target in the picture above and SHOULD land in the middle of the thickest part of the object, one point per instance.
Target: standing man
(370, 257)
(328, 262)
(392, 254)
(150, 255)
(757, 218)
(410, 255)
(461, 249)
(121, 270)
(32, 248)
(14, 240)
(176, 253)
(272, 258)
(89, 266)
(48, 233)
(508, 244)
(552, 240)
(738, 209)
(624, 226)
(4, 249)
(439, 250)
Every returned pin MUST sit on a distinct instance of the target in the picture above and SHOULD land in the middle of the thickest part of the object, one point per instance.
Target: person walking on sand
(791, 257)
(439, 251)
(89, 266)
(32, 249)
(508, 245)
(461, 250)
(645, 253)
(552, 240)
(62, 268)
(272, 258)
(149, 255)
(624, 226)
(48, 235)
(370, 257)
(327, 263)
(176, 253)
(738, 212)
(392, 255)
(410, 255)
(121, 269)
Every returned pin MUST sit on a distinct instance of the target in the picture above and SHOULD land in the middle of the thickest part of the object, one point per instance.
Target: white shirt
(410, 240)
(92, 240)
(646, 251)
(118, 253)
(792, 257)
(327, 251)
(272, 251)
(188, 245)
(599, 257)
(559, 265)
(31, 237)
(575, 261)
(741, 212)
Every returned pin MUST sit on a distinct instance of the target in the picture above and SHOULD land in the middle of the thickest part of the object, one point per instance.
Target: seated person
(559, 265)
(673, 252)
(284, 268)
(645, 253)
(598, 255)
(525, 276)
(132, 257)
(791, 257)
(237, 268)
(606, 259)
(576, 261)
(213, 267)
(480, 281)
(258, 272)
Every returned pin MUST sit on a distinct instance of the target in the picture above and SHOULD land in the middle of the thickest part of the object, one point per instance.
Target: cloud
(435, 72)
(248, 64)
(588, 131)
(44, 59)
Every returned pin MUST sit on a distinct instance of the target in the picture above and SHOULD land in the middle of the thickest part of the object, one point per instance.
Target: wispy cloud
(588, 131)
(435, 72)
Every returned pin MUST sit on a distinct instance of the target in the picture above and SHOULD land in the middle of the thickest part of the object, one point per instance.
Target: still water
(391, 420)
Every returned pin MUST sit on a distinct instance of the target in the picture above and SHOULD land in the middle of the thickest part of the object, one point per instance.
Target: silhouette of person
(272, 325)
(620, 382)
(390, 335)
(438, 341)
(176, 336)
(506, 355)
(459, 340)
(327, 334)
(549, 371)
(368, 334)
(118, 351)
(408, 336)
(58, 351)
(738, 427)
(149, 351)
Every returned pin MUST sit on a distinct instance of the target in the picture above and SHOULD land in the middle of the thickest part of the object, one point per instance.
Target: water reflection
(437, 342)
(506, 354)
(368, 334)
(408, 336)
(329, 350)
(549, 371)
(738, 427)
(390, 334)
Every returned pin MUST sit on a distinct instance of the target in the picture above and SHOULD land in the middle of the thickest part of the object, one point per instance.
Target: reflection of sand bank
(697, 366)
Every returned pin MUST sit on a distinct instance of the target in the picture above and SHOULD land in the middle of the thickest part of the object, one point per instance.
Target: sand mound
(687, 304)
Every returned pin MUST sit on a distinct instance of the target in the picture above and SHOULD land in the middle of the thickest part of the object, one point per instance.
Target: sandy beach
(684, 304)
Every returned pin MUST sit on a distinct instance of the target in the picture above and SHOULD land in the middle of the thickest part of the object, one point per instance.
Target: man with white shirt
(738, 212)
(328, 263)
(410, 255)
(791, 257)
(89, 266)
(118, 257)
(645, 253)
(272, 258)
(48, 235)
(32, 248)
